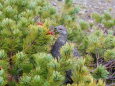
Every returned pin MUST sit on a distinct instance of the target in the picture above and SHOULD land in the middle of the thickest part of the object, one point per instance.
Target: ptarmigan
(61, 40)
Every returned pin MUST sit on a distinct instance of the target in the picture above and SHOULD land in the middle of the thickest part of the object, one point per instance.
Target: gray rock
(54, 4)
(59, 0)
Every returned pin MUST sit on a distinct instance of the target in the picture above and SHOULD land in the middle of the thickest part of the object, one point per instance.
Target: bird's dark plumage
(59, 42)
(57, 46)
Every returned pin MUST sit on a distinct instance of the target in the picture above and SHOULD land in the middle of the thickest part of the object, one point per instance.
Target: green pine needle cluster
(25, 58)
(105, 19)
(100, 72)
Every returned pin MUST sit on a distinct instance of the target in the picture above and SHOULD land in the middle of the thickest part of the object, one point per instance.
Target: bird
(55, 51)
(61, 41)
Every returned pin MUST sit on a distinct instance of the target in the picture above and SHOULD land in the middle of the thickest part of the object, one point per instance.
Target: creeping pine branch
(29, 45)
(110, 66)
(97, 57)
(10, 76)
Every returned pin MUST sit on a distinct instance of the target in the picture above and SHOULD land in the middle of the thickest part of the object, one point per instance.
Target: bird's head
(61, 30)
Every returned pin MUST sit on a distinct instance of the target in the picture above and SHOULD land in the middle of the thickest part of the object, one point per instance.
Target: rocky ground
(99, 6)
(90, 6)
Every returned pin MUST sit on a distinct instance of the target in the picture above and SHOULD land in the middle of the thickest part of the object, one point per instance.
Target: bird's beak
(55, 30)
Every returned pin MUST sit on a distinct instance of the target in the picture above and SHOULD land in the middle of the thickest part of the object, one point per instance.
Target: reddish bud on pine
(40, 23)
(1, 68)
(10, 78)
(50, 33)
